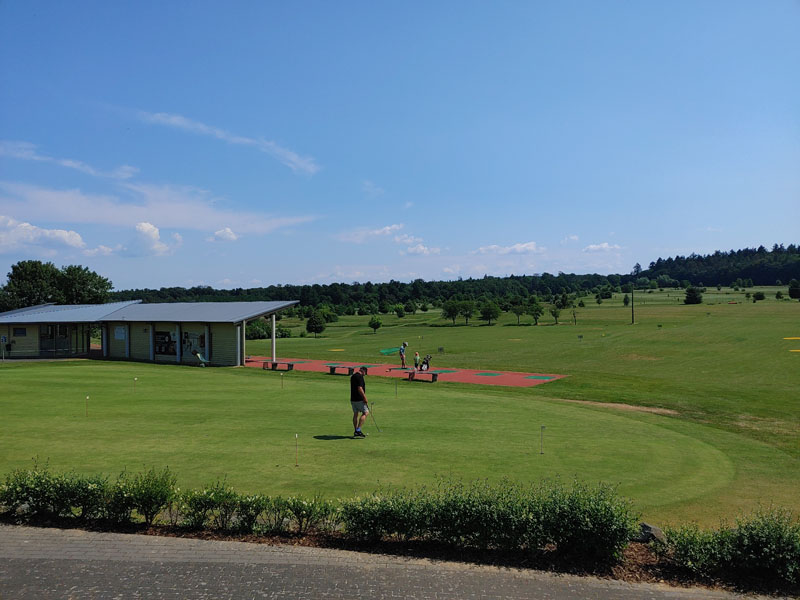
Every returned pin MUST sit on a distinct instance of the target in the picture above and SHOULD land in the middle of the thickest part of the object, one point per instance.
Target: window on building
(20, 331)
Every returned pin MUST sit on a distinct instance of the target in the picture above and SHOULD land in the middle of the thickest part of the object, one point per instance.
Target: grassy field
(725, 369)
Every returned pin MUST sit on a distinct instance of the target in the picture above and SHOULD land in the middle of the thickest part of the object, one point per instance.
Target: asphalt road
(45, 564)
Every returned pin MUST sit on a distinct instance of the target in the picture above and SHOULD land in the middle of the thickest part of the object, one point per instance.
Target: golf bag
(426, 363)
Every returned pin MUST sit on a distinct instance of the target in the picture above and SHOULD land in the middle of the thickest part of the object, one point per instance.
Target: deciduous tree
(450, 310)
(375, 323)
(489, 311)
(315, 324)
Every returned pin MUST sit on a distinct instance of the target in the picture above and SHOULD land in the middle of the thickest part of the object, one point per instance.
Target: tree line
(33, 282)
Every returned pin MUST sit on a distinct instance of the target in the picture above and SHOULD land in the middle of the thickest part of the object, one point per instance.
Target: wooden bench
(420, 376)
(350, 370)
(275, 365)
(332, 369)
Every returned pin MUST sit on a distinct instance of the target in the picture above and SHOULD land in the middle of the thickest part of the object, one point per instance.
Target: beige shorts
(359, 407)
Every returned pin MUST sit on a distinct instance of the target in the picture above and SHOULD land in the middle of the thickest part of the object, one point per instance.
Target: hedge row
(763, 549)
(588, 525)
(584, 525)
(37, 494)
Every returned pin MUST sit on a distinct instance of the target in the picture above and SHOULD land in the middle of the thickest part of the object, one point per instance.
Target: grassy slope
(733, 445)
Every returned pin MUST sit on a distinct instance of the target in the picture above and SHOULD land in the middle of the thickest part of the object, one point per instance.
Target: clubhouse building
(160, 333)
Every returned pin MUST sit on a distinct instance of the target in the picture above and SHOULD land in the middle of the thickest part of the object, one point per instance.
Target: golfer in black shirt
(358, 400)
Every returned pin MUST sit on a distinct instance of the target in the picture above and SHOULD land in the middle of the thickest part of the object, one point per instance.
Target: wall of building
(117, 339)
(22, 346)
(224, 341)
(140, 341)
(223, 344)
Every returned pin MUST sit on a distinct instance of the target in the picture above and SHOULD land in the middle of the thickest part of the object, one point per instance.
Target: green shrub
(248, 511)
(225, 500)
(197, 507)
(307, 514)
(119, 503)
(583, 524)
(37, 493)
(151, 492)
(398, 514)
(28, 491)
(87, 494)
(763, 549)
(588, 525)
(275, 517)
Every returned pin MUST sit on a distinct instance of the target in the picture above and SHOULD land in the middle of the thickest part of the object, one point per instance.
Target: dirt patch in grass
(625, 407)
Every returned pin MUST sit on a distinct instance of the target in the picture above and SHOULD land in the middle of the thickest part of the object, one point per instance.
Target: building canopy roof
(183, 312)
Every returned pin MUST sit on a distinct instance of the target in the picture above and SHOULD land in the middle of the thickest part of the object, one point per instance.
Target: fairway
(725, 439)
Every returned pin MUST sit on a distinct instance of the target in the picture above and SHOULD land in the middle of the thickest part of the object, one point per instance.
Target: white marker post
(541, 450)
(296, 451)
(87, 406)
(134, 384)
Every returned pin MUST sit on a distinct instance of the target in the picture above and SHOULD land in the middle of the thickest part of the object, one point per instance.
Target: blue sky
(254, 143)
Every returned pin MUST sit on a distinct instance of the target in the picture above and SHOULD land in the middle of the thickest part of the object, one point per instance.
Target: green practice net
(388, 351)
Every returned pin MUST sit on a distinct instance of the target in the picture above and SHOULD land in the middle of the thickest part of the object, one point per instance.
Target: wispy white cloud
(407, 239)
(408, 205)
(422, 249)
(164, 206)
(361, 235)
(28, 151)
(525, 248)
(297, 163)
(102, 250)
(604, 247)
(370, 189)
(569, 238)
(225, 234)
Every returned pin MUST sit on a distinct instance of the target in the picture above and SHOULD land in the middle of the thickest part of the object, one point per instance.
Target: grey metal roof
(198, 312)
(184, 312)
(64, 313)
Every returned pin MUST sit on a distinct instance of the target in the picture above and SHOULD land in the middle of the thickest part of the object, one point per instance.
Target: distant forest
(743, 268)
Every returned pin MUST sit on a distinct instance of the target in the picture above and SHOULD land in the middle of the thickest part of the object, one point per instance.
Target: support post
(243, 344)
(152, 342)
(274, 356)
(178, 344)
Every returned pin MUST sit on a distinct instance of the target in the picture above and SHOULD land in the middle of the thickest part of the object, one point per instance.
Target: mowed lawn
(725, 369)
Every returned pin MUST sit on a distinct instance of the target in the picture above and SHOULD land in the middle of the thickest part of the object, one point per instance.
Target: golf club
(374, 421)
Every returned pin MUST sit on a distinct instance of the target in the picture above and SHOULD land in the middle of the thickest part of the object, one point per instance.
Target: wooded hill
(747, 267)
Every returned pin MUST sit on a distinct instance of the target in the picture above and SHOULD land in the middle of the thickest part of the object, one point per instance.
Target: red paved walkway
(485, 377)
